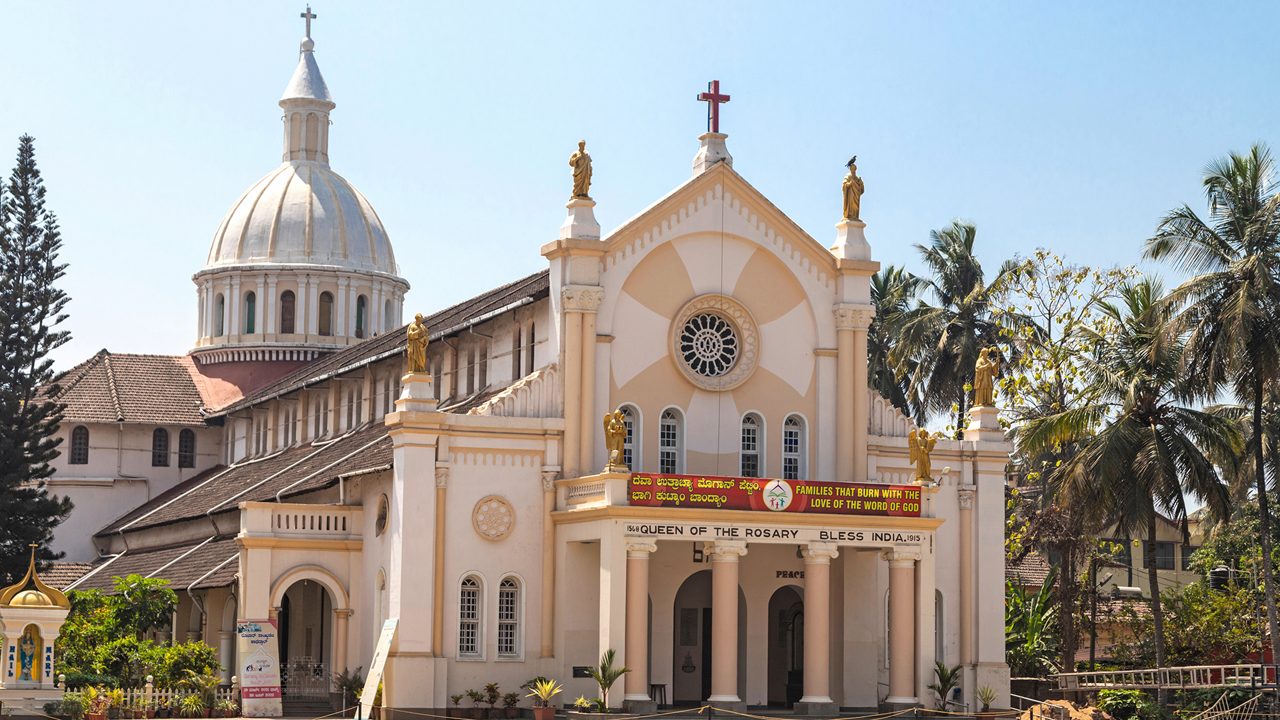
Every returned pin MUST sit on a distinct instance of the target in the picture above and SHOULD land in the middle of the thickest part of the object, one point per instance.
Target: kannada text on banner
(805, 496)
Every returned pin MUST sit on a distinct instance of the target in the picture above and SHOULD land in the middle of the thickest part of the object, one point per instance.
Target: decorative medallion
(715, 342)
(493, 517)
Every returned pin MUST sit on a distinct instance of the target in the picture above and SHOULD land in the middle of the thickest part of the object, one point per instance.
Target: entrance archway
(691, 641)
(786, 646)
(304, 623)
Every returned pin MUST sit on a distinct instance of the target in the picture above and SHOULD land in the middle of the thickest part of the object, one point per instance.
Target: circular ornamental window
(709, 345)
(715, 342)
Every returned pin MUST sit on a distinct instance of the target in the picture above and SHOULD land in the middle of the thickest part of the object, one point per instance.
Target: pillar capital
(966, 494)
(343, 613)
(819, 553)
(640, 548)
(901, 557)
(582, 298)
(442, 476)
(726, 550)
(549, 480)
(851, 316)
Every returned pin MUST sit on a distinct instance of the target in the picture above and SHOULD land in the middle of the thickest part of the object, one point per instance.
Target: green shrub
(1127, 704)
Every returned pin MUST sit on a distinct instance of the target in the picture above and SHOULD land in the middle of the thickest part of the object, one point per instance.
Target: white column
(226, 650)
(312, 306)
(817, 623)
(341, 328)
(724, 620)
(637, 681)
(375, 310)
(902, 626)
(233, 305)
(966, 493)
(270, 308)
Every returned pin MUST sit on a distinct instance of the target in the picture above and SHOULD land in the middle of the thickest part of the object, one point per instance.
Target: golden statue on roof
(984, 377)
(919, 444)
(581, 164)
(853, 188)
(416, 349)
(615, 438)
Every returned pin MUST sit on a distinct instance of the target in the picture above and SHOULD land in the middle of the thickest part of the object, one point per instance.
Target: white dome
(303, 213)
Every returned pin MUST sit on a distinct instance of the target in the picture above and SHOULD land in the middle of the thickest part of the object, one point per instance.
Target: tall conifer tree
(31, 308)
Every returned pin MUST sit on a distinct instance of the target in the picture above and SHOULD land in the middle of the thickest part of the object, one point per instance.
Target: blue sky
(1072, 126)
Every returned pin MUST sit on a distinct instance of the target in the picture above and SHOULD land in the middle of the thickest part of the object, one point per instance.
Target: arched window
(250, 312)
(287, 310)
(630, 448)
(361, 313)
(670, 442)
(219, 316)
(187, 448)
(509, 618)
(160, 448)
(750, 456)
(794, 450)
(325, 315)
(469, 617)
(79, 446)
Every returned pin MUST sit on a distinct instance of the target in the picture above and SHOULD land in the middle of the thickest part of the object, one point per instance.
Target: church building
(662, 443)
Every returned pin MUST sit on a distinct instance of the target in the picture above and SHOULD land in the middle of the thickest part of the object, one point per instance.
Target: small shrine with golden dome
(31, 615)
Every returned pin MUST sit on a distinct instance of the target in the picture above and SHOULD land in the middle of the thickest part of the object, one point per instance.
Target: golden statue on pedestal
(853, 188)
(984, 377)
(919, 444)
(581, 164)
(416, 349)
(615, 436)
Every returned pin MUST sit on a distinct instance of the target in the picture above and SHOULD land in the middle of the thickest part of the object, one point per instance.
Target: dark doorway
(786, 647)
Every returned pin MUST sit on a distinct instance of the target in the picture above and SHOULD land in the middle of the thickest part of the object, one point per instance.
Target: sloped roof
(62, 574)
(118, 387)
(202, 564)
(440, 324)
(297, 470)
(1030, 571)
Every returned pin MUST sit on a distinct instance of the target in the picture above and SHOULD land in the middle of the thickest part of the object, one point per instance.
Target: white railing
(592, 491)
(150, 696)
(536, 395)
(310, 522)
(1189, 677)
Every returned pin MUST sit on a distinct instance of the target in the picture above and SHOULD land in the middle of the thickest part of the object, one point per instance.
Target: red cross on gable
(713, 99)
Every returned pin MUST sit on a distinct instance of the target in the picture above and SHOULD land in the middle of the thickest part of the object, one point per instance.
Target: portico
(739, 608)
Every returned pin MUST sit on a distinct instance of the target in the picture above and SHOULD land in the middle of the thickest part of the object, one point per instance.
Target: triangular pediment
(720, 200)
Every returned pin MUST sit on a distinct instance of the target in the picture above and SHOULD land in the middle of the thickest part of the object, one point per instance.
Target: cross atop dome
(308, 16)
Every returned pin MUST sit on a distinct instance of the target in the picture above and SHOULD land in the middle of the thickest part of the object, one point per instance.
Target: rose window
(709, 345)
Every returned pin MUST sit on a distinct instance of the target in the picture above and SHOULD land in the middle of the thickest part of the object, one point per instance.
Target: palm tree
(893, 290)
(1232, 306)
(1141, 451)
(943, 341)
(606, 675)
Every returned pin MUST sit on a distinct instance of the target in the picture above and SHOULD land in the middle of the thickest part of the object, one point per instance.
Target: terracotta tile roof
(62, 574)
(204, 564)
(297, 470)
(117, 387)
(1031, 571)
(443, 323)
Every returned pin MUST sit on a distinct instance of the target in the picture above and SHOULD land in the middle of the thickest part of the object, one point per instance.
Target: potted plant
(97, 705)
(72, 706)
(456, 700)
(542, 690)
(115, 703)
(946, 679)
(192, 705)
(162, 708)
(492, 695)
(605, 675)
(986, 696)
(349, 683)
(228, 708)
(509, 703)
(476, 697)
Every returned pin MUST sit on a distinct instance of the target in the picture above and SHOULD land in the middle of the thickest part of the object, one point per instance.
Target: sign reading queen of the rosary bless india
(707, 492)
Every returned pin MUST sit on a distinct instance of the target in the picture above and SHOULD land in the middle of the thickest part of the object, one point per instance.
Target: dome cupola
(301, 263)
